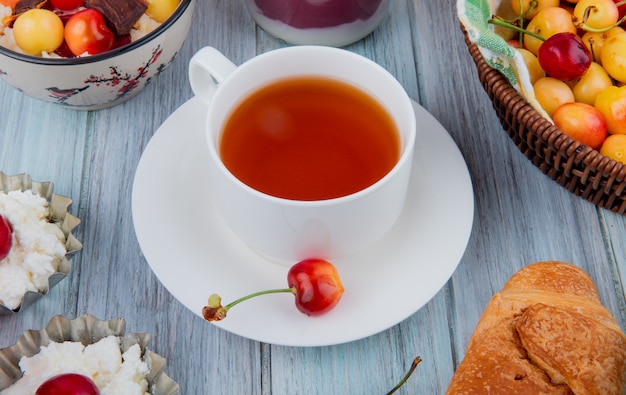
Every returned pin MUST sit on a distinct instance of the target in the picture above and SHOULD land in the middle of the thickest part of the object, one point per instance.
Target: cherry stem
(583, 25)
(500, 22)
(533, 4)
(214, 311)
(588, 28)
(522, 15)
(255, 294)
(416, 362)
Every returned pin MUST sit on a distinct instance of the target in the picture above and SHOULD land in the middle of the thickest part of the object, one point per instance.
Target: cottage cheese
(113, 373)
(38, 246)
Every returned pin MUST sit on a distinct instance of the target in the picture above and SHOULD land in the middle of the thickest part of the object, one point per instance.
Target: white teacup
(287, 230)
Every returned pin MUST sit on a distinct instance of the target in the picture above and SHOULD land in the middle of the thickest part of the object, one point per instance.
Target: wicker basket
(576, 167)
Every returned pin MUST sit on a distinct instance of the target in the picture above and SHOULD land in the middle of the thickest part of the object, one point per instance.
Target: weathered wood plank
(521, 217)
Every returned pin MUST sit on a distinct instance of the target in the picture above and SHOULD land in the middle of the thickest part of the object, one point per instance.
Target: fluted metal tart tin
(58, 208)
(86, 329)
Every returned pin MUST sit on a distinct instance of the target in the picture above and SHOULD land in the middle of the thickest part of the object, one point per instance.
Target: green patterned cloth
(474, 15)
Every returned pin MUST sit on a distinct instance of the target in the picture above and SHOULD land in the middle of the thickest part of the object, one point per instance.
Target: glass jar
(319, 22)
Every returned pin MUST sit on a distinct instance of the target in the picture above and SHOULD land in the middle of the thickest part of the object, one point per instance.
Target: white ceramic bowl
(319, 22)
(103, 80)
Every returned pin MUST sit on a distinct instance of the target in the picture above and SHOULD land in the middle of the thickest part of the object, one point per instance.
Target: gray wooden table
(521, 216)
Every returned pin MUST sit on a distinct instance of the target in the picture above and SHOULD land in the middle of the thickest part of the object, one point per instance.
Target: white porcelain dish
(194, 254)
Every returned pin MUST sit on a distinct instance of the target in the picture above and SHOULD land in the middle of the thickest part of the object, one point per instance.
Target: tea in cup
(310, 148)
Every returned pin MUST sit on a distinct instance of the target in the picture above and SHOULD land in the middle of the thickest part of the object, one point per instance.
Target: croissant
(546, 332)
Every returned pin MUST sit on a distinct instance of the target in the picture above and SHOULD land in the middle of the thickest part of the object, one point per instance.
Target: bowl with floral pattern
(90, 78)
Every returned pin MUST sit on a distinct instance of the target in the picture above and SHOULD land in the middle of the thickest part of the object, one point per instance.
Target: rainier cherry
(613, 57)
(551, 93)
(314, 282)
(68, 384)
(6, 238)
(546, 23)
(38, 30)
(594, 81)
(611, 103)
(160, 10)
(530, 8)
(582, 122)
(596, 14)
(615, 147)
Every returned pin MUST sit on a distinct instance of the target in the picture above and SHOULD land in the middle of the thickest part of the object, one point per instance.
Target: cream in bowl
(107, 66)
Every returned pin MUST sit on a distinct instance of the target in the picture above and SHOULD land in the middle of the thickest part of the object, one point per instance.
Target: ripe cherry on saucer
(314, 282)
(317, 286)
(68, 384)
(6, 238)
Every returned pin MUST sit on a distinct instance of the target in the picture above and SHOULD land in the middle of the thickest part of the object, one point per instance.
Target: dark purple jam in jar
(324, 22)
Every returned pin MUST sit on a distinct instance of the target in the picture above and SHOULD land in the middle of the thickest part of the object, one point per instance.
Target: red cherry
(513, 43)
(68, 384)
(87, 32)
(121, 40)
(64, 51)
(67, 5)
(6, 238)
(564, 56)
(317, 284)
(314, 282)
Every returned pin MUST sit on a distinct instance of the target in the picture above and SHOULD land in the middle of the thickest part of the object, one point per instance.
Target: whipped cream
(113, 373)
(38, 246)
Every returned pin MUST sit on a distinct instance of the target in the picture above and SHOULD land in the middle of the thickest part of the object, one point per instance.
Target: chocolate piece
(25, 5)
(120, 15)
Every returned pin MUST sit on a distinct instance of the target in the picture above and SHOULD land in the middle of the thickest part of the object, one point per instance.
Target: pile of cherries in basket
(575, 52)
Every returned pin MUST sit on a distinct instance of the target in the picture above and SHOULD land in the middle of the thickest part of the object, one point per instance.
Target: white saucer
(194, 254)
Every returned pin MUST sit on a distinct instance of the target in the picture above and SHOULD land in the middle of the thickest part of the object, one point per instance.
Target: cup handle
(207, 69)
